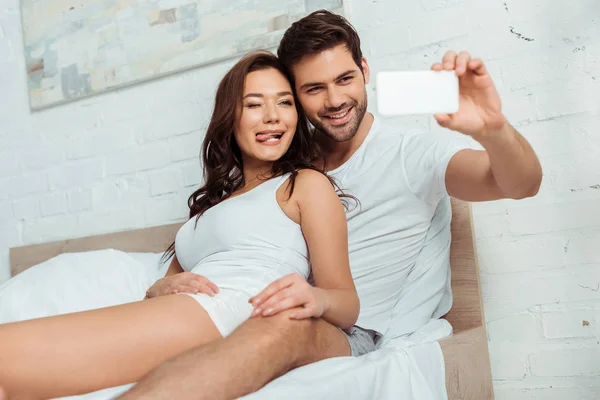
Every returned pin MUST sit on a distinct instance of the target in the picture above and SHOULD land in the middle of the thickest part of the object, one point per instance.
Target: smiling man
(403, 182)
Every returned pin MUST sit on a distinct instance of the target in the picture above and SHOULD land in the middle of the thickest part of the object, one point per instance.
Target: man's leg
(257, 352)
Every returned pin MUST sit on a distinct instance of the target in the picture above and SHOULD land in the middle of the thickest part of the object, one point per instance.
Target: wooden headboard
(467, 307)
(466, 313)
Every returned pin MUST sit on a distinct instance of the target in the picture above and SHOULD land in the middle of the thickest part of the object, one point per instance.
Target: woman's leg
(86, 351)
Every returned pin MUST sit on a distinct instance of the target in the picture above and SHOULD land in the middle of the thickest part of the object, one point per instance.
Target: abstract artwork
(78, 48)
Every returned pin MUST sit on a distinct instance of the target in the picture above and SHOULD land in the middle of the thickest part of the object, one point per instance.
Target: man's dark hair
(318, 31)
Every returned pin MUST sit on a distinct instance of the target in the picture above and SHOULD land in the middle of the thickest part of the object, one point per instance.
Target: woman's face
(267, 119)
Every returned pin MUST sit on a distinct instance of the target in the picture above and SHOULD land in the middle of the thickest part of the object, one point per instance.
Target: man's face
(332, 91)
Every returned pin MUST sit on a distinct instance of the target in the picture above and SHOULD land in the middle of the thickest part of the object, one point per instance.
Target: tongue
(263, 137)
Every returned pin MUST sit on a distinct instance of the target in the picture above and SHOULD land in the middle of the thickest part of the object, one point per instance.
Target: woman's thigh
(85, 351)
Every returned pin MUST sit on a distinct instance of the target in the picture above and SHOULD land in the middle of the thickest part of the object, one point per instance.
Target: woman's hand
(291, 291)
(184, 282)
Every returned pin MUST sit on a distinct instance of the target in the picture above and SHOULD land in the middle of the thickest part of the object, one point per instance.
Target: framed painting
(78, 48)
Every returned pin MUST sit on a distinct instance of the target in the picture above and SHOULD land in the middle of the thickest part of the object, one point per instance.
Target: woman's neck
(254, 172)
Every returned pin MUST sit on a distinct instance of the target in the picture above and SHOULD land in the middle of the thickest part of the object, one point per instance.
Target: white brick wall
(128, 159)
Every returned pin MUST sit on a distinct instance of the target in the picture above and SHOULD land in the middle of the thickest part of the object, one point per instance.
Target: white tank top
(245, 242)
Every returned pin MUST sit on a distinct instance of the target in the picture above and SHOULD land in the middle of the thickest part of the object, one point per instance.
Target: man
(403, 183)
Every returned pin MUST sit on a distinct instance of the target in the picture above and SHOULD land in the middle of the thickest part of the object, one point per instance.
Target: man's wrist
(500, 135)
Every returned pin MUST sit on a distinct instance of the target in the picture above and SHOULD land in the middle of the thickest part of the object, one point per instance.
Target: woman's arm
(325, 229)
(321, 216)
(175, 267)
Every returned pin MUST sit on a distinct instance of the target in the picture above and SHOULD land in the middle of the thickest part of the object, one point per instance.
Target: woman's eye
(286, 103)
(252, 105)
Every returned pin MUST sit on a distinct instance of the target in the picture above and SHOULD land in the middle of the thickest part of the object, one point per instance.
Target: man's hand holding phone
(458, 91)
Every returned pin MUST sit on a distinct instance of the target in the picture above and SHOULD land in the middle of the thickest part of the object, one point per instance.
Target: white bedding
(407, 368)
(74, 282)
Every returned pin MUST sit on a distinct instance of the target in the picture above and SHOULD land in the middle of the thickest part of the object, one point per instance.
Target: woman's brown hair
(221, 156)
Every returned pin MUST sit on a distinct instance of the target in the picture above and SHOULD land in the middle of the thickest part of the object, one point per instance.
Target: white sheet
(408, 368)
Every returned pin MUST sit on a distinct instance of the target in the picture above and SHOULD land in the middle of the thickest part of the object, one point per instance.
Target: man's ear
(366, 70)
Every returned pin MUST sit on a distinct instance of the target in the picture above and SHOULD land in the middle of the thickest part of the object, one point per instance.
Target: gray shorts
(361, 341)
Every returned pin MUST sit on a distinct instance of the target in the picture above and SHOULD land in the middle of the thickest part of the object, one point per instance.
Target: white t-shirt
(399, 235)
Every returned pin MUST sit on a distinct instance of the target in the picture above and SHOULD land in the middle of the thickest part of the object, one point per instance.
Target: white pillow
(152, 262)
(73, 282)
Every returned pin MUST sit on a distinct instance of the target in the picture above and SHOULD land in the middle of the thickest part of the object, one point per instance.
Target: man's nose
(334, 99)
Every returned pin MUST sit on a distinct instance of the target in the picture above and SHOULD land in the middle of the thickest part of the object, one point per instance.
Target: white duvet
(406, 368)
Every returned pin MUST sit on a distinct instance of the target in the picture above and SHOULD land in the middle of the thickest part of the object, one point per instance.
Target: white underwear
(228, 309)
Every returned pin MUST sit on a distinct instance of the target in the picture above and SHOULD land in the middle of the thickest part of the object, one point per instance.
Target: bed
(466, 356)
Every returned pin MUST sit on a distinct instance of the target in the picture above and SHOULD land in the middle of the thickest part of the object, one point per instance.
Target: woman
(263, 209)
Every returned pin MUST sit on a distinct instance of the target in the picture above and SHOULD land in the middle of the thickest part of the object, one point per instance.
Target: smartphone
(416, 92)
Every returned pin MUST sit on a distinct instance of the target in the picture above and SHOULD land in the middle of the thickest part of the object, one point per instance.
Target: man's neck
(337, 153)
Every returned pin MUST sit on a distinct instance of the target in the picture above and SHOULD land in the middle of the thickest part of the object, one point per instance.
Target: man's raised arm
(508, 168)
